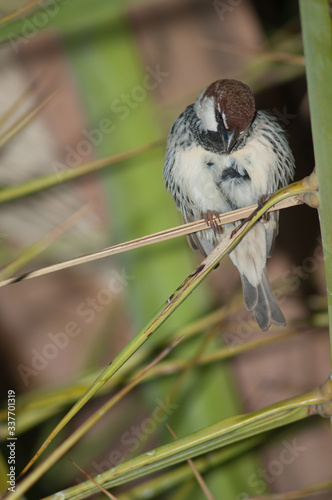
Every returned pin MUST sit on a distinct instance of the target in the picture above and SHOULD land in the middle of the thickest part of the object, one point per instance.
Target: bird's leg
(212, 218)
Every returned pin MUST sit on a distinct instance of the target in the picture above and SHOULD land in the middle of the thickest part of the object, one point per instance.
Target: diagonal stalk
(168, 480)
(229, 242)
(39, 246)
(150, 239)
(18, 12)
(37, 408)
(228, 431)
(89, 423)
(33, 186)
(25, 120)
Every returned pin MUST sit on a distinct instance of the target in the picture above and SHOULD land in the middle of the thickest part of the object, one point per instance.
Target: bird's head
(228, 108)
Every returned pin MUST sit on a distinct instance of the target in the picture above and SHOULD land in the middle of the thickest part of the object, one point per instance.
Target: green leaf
(317, 39)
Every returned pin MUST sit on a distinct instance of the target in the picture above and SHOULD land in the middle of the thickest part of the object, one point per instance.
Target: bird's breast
(197, 180)
(224, 182)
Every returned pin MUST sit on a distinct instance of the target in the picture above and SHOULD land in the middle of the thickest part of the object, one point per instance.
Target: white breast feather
(197, 181)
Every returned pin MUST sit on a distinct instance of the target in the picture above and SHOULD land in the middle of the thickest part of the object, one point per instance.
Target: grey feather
(250, 293)
(196, 241)
(272, 230)
(262, 301)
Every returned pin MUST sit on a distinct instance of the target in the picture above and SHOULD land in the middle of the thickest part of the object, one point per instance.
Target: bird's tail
(261, 300)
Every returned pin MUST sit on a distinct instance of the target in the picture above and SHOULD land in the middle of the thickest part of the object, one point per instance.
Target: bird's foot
(212, 218)
(265, 217)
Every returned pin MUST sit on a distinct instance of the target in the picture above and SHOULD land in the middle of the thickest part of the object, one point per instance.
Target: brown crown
(236, 100)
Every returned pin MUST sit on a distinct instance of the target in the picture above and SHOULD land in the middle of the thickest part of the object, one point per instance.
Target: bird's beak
(228, 139)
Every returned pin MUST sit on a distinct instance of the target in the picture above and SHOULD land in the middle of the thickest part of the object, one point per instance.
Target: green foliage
(111, 81)
(317, 39)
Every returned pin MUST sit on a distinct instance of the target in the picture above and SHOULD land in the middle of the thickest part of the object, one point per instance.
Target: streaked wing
(195, 240)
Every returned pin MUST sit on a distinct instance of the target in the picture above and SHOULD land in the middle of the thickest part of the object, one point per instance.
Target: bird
(222, 154)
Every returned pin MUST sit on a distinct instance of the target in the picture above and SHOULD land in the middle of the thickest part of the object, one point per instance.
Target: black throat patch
(209, 140)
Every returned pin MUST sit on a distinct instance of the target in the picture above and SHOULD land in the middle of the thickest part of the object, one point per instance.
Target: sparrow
(222, 155)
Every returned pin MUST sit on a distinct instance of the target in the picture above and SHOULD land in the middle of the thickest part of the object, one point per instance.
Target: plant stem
(317, 36)
(67, 174)
(224, 433)
(229, 242)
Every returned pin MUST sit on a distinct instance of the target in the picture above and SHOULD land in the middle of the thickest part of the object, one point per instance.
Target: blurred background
(118, 74)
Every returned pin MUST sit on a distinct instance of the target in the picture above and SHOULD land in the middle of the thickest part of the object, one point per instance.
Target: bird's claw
(212, 218)
(265, 217)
